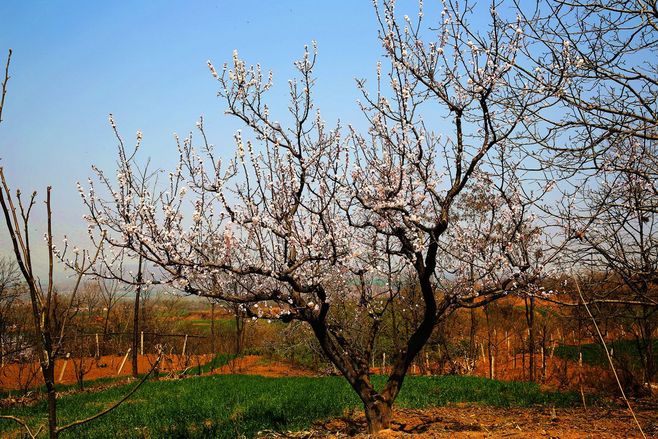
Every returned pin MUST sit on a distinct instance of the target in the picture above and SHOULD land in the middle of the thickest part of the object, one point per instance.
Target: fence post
(184, 345)
(61, 372)
(507, 342)
(124, 361)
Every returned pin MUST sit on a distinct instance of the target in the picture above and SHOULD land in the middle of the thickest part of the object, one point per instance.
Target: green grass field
(595, 355)
(230, 405)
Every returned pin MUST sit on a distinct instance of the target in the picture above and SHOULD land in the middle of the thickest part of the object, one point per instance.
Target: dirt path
(473, 421)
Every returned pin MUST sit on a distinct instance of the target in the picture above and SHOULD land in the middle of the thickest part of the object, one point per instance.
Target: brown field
(560, 374)
(18, 376)
(473, 421)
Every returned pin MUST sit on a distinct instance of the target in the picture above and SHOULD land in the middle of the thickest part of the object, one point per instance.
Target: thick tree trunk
(378, 415)
(354, 366)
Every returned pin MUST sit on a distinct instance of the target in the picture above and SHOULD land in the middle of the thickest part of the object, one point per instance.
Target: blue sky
(77, 61)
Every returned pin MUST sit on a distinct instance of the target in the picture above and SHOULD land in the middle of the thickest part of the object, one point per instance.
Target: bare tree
(111, 293)
(596, 59)
(9, 292)
(50, 323)
(618, 241)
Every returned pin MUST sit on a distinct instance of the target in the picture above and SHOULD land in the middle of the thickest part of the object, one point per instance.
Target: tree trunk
(135, 346)
(106, 326)
(472, 347)
(646, 348)
(49, 379)
(354, 365)
(530, 320)
(239, 330)
(212, 335)
(378, 415)
(489, 343)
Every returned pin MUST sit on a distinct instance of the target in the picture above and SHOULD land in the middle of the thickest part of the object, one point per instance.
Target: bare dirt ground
(473, 421)
(24, 376)
(560, 374)
(259, 365)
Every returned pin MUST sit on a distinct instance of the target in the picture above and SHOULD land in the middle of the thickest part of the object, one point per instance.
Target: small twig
(607, 353)
(4, 84)
(23, 424)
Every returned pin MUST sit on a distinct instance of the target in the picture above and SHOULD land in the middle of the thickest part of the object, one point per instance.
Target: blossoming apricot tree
(317, 223)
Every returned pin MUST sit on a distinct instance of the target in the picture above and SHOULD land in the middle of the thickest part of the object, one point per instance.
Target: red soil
(560, 374)
(258, 365)
(23, 376)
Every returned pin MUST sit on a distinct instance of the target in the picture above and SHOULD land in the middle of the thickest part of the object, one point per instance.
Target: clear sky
(77, 61)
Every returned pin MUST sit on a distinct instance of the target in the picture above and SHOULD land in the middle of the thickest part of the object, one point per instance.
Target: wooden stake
(61, 372)
(98, 350)
(184, 345)
(507, 341)
(580, 378)
(125, 357)
(384, 363)
(141, 344)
